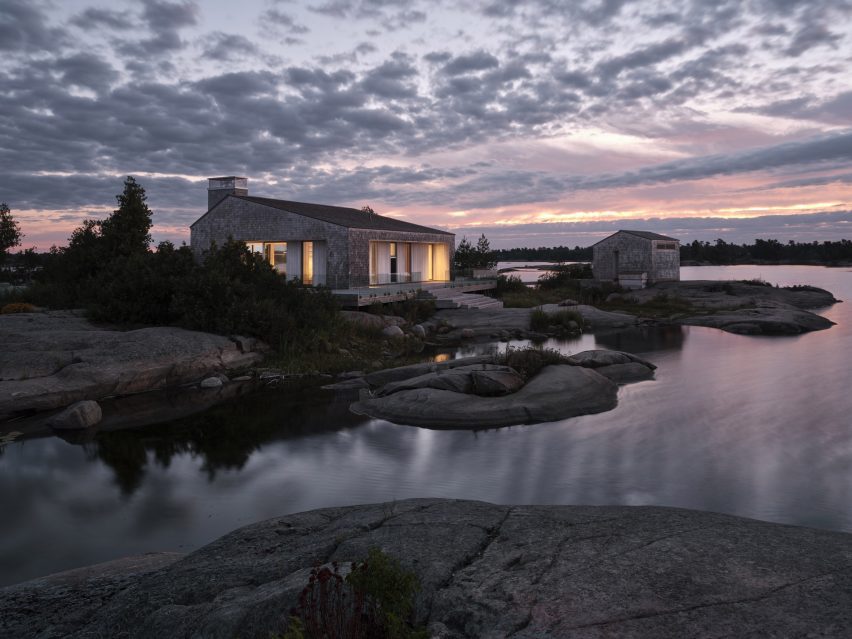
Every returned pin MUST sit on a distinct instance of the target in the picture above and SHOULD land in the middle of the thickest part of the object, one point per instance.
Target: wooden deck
(387, 293)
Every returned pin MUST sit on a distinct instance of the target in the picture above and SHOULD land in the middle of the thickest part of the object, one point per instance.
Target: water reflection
(643, 339)
(750, 426)
(224, 438)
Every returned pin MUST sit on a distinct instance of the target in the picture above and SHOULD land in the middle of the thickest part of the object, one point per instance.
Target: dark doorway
(393, 265)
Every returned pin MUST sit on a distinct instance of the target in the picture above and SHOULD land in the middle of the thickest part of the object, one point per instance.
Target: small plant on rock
(374, 600)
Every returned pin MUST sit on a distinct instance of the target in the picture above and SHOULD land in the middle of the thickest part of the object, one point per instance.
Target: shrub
(756, 281)
(528, 361)
(541, 320)
(510, 284)
(17, 307)
(563, 275)
(375, 600)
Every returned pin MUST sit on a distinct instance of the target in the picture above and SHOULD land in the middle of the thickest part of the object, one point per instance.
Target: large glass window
(276, 253)
(307, 262)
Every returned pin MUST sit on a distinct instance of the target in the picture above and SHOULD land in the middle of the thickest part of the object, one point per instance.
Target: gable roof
(342, 216)
(647, 235)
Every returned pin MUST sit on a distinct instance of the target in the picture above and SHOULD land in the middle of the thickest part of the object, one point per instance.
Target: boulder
(468, 333)
(493, 383)
(477, 379)
(557, 392)
(451, 380)
(568, 302)
(392, 332)
(418, 331)
(626, 373)
(600, 358)
(354, 383)
(211, 382)
(78, 416)
(382, 377)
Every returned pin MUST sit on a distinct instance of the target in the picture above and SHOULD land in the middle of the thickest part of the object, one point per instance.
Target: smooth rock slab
(601, 358)
(51, 360)
(485, 570)
(557, 392)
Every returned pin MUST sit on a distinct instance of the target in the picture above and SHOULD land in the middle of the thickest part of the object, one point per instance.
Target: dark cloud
(476, 61)
(94, 18)
(392, 15)
(24, 28)
(164, 20)
(810, 36)
(835, 110)
(392, 79)
(86, 70)
(228, 47)
(644, 57)
(804, 227)
(834, 147)
(281, 21)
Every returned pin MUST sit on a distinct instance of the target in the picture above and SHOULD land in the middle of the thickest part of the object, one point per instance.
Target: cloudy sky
(540, 122)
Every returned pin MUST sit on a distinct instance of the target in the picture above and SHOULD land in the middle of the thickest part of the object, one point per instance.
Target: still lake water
(758, 427)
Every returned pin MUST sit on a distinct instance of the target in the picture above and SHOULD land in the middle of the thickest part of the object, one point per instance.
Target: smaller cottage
(634, 259)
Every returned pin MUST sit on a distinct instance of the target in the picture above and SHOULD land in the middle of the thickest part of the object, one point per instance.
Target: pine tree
(128, 230)
(484, 256)
(10, 231)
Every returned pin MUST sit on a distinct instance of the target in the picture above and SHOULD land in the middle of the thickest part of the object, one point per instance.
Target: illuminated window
(307, 262)
(276, 253)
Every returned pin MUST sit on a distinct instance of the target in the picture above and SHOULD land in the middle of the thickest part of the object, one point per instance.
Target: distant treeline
(718, 252)
(721, 252)
(544, 254)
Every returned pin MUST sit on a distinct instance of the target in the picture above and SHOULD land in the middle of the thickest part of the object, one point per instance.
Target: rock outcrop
(51, 360)
(556, 392)
(485, 571)
(747, 308)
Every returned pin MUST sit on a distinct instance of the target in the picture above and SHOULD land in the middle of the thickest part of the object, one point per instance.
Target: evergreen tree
(128, 230)
(10, 232)
(464, 256)
(484, 255)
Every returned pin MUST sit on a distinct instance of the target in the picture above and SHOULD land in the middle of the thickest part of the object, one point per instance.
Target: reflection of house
(636, 258)
(323, 245)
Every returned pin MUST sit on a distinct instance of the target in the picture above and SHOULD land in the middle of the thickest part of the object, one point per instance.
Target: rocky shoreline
(485, 571)
(475, 393)
(54, 359)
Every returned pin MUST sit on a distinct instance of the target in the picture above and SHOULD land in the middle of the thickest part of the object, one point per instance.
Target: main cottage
(637, 258)
(318, 244)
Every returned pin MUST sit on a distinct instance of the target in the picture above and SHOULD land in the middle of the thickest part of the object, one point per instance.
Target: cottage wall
(359, 250)
(660, 259)
(665, 262)
(634, 254)
(249, 221)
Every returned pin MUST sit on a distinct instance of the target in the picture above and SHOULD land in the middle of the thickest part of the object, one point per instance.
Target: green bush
(541, 320)
(528, 361)
(563, 275)
(374, 601)
(510, 284)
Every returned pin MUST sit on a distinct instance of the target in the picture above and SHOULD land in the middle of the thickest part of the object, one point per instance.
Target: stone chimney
(220, 187)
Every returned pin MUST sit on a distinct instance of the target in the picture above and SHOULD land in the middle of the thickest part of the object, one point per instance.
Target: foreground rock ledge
(485, 570)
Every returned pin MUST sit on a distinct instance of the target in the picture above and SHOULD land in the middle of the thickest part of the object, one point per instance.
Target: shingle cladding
(251, 219)
(637, 252)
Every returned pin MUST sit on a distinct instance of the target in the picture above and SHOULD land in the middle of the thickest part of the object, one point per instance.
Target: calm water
(760, 427)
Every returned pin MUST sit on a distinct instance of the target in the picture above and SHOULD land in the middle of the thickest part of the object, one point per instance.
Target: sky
(536, 122)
